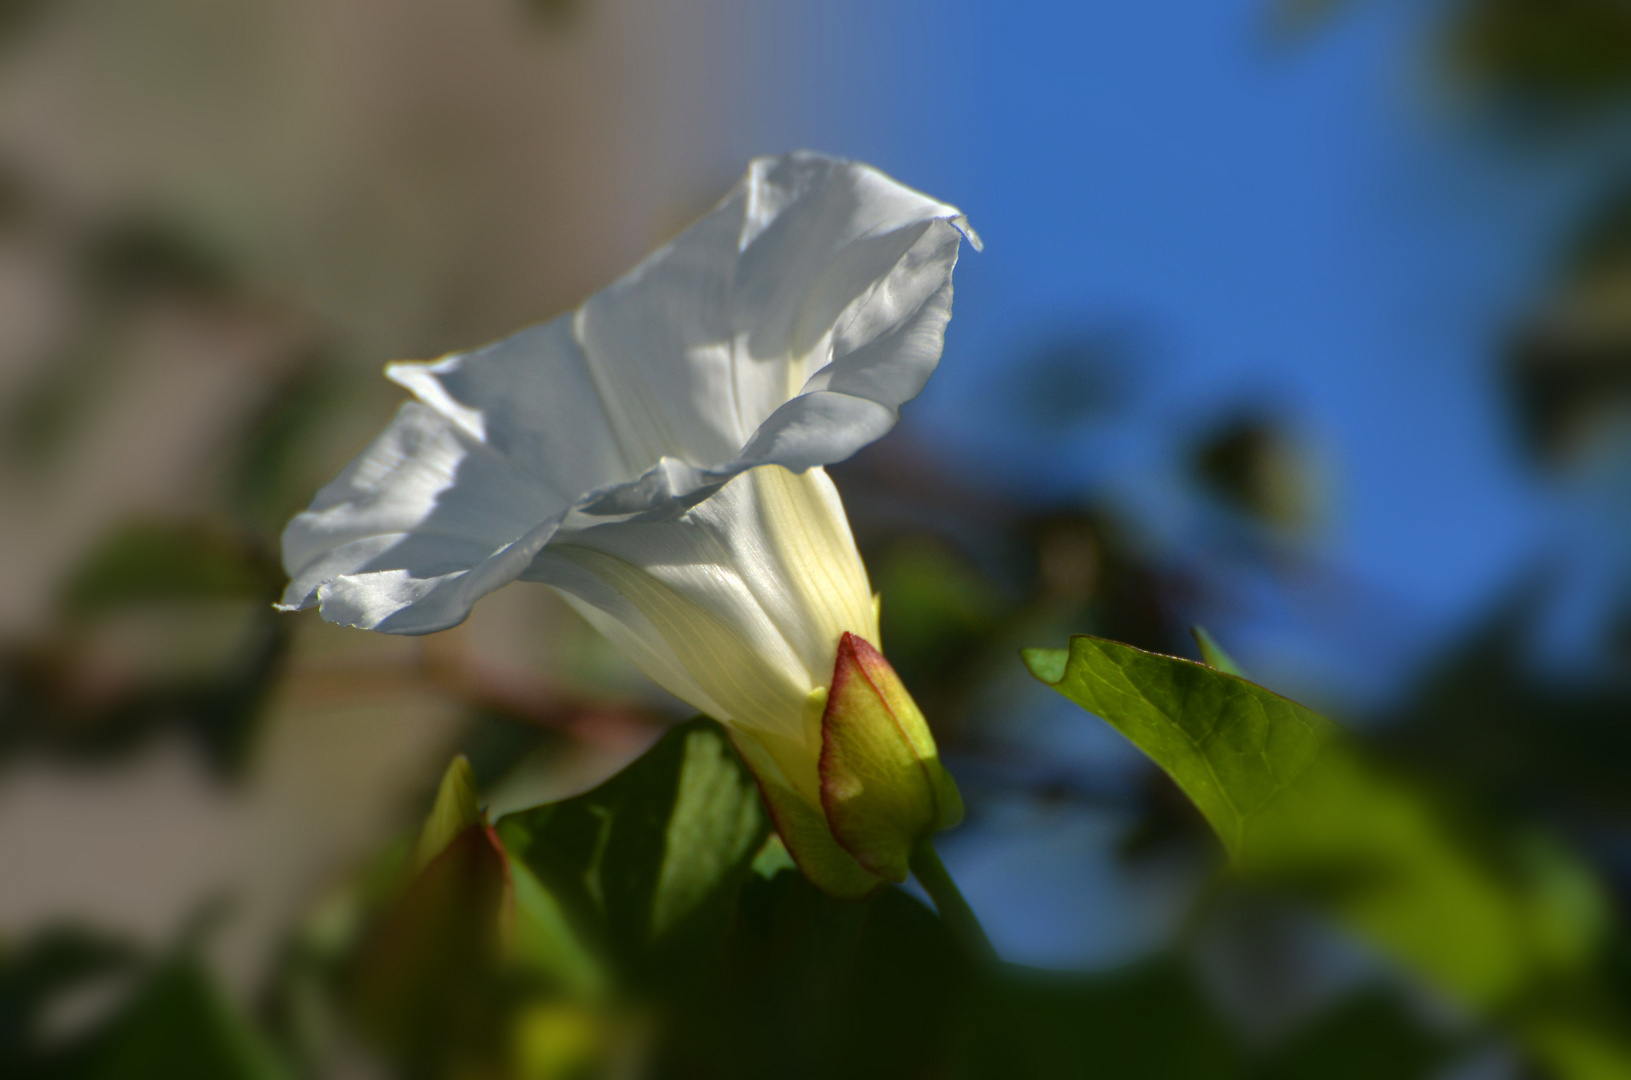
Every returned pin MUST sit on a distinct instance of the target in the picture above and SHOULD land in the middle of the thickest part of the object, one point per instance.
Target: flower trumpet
(656, 457)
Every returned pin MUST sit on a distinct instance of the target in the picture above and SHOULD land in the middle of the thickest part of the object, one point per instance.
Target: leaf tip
(1048, 665)
(1212, 653)
(456, 809)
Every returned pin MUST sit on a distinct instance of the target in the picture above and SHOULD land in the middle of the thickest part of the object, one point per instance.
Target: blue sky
(1317, 227)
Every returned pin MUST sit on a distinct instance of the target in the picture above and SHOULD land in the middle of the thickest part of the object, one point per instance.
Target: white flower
(655, 456)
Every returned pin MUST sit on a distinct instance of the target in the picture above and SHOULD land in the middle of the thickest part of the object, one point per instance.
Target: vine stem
(948, 900)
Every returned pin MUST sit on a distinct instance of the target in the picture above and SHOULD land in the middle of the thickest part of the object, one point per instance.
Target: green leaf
(544, 940)
(814, 986)
(649, 850)
(1501, 919)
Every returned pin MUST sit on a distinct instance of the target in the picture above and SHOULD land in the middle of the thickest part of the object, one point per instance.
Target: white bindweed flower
(656, 457)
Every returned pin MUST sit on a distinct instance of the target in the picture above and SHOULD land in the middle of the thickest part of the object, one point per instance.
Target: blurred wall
(217, 221)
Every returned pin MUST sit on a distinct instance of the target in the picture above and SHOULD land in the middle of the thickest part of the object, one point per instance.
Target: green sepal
(802, 826)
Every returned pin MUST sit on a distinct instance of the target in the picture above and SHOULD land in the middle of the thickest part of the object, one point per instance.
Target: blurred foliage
(655, 926)
(1569, 367)
(148, 561)
(33, 975)
(1577, 51)
(135, 256)
(270, 476)
(1251, 464)
(119, 267)
(1076, 378)
(1541, 747)
(1566, 54)
(161, 1017)
(649, 928)
(128, 659)
(1499, 918)
(178, 1026)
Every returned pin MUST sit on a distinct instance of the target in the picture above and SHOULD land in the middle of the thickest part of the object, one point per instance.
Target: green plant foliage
(425, 986)
(284, 449)
(147, 580)
(163, 1020)
(1252, 465)
(147, 561)
(816, 987)
(1503, 920)
(556, 15)
(939, 613)
(178, 1026)
(1577, 51)
(32, 977)
(1147, 1021)
(1365, 1035)
(648, 850)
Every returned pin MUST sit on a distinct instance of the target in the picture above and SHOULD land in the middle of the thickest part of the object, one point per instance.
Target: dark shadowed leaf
(1147, 1022)
(34, 976)
(424, 986)
(816, 987)
(1368, 1034)
(179, 1026)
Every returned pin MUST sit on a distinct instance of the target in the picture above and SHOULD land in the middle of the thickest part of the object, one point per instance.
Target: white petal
(744, 595)
(460, 491)
(419, 525)
(787, 327)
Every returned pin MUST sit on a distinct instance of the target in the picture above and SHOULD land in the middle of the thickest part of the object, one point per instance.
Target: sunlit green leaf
(649, 849)
(1494, 917)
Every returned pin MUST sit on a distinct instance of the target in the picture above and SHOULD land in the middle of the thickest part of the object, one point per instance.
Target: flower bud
(882, 785)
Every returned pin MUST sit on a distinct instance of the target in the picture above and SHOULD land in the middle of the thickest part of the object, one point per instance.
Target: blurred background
(1303, 320)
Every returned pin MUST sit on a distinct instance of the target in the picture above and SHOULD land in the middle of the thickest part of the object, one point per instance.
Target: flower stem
(948, 900)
